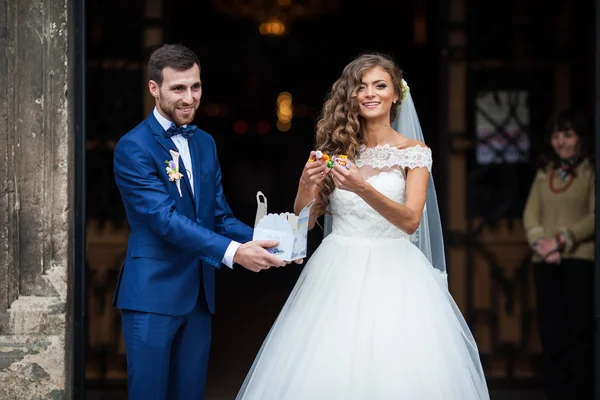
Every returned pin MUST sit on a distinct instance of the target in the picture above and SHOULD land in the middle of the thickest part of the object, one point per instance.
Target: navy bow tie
(187, 132)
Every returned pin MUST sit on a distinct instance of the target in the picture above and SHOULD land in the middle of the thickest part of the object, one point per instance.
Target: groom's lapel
(167, 144)
(184, 172)
(195, 153)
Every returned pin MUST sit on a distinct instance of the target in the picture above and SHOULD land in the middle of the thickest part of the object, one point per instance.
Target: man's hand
(254, 257)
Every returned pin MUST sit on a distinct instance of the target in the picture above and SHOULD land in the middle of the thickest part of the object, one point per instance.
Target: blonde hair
(339, 129)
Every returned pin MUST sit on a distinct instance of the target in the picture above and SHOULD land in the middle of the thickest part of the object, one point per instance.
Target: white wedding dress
(369, 317)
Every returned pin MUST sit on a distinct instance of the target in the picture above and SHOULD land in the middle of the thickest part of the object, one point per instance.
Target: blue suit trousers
(167, 356)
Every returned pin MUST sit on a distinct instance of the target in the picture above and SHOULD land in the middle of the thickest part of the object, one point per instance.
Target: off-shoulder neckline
(388, 146)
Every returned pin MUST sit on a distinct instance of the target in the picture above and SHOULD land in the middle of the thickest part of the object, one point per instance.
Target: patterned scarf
(566, 168)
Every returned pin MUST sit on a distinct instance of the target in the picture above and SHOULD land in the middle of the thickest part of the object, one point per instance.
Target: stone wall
(36, 177)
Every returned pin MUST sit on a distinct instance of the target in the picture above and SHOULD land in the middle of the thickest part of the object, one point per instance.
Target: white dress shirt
(184, 152)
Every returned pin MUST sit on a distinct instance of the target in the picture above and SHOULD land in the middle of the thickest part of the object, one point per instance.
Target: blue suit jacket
(176, 242)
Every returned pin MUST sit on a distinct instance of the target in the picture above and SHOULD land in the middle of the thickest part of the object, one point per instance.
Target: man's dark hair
(175, 56)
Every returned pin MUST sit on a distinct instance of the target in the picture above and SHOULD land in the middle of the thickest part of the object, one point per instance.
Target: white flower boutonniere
(173, 170)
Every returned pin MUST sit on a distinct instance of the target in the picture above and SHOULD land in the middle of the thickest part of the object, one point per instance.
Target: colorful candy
(319, 155)
(342, 160)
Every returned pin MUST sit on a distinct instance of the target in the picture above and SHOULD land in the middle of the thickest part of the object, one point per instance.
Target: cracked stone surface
(36, 198)
(35, 315)
(31, 367)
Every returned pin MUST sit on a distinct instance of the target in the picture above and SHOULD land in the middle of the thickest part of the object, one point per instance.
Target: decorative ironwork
(502, 126)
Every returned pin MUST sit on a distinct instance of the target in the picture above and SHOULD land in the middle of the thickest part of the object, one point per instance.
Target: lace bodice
(384, 167)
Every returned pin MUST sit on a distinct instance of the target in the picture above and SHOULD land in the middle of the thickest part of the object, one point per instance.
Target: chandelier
(275, 16)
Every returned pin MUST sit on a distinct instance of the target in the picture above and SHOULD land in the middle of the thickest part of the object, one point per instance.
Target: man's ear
(154, 88)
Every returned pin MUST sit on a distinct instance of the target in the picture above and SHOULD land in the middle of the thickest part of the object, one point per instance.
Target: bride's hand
(314, 172)
(347, 178)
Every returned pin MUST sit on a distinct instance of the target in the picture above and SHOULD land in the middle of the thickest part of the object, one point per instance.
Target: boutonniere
(173, 170)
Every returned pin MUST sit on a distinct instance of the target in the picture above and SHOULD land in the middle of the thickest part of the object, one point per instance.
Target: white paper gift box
(289, 230)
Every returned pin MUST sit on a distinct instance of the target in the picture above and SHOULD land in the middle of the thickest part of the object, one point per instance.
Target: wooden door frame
(77, 273)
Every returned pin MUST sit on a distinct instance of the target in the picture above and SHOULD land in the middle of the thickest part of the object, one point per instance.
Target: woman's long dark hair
(565, 120)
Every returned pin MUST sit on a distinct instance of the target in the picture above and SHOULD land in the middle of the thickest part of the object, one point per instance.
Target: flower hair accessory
(404, 88)
(173, 170)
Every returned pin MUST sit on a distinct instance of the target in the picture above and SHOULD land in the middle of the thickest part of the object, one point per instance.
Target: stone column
(36, 201)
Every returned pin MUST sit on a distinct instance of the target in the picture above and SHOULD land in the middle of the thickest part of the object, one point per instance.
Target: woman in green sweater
(559, 221)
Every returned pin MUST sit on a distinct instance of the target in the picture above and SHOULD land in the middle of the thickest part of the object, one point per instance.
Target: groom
(181, 230)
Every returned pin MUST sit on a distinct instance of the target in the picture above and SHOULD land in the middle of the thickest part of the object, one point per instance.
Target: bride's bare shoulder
(406, 143)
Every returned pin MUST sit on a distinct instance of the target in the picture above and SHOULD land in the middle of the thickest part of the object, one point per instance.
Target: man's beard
(171, 114)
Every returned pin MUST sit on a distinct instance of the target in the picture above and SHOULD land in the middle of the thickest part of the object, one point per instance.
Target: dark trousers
(565, 304)
(167, 356)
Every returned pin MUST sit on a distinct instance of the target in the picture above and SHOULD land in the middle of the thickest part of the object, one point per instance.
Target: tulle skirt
(368, 319)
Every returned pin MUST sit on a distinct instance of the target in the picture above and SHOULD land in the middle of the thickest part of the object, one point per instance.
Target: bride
(370, 316)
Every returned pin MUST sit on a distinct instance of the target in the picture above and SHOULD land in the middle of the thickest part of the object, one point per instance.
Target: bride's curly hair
(339, 129)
